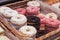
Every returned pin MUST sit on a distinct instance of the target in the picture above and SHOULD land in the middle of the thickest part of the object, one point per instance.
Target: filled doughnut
(28, 30)
(33, 21)
(56, 5)
(4, 38)
(19, 19)
(3, 9)
(33, 3)
(51, 15)
(10, 13)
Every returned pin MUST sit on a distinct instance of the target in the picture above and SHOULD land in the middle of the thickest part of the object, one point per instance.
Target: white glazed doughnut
(33, 3)
(10, 13)
(4, 38)
(56, 5)
(18, 19)
(51, 15)
(3, 9)
(28, 30)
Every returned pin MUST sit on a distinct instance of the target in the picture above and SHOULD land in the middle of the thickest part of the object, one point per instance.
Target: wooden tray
(45, 8)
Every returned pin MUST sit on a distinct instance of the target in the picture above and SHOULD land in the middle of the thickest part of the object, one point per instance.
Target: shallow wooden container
(45, 9)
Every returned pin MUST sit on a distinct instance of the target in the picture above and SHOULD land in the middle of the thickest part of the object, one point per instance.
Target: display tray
(45, 9)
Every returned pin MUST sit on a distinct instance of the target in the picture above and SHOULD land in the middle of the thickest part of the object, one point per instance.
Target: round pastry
(19, 19)
(32, 10)
(33, 21)
(10, 13)
(3, 9)
(21, 11)
(4, 38)
(41, 16)
(52, 23)
(33, 3)
(56, 5)
(51, 15)
(28, 30)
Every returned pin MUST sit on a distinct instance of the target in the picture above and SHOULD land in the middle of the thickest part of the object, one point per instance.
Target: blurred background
(3, 2)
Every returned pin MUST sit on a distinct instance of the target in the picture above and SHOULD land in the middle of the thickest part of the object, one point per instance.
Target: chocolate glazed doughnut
(33, 21)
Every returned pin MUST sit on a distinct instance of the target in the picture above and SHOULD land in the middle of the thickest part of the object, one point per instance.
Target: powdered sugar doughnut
(3, 9)
(28, 30)
(51, 15)
(33, 3)
(56, 5)
(19, 19)
(10, 13)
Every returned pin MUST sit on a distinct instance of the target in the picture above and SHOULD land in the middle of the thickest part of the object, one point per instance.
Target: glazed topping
(28, 30)
(59, 6)
(33, 19)
(33, 3)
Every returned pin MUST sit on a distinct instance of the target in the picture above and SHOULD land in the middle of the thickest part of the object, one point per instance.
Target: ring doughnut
(19, 20)
(51, 15)
(56, 5)
(10, 13)
(3, 9)
(33, 3)
(33, 21)
(28, 30)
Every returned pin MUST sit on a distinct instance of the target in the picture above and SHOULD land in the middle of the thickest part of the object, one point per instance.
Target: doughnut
(33, 21)
(10, 13)
(32, 10)
(4, 38)
(56, 5)
(21, 11)
(28, 30)
(19, 20)
(33, 3)
(3, 9)
(51, 15)
(41, 16)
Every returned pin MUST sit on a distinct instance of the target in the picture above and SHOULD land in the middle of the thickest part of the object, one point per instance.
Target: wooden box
(45, 9)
